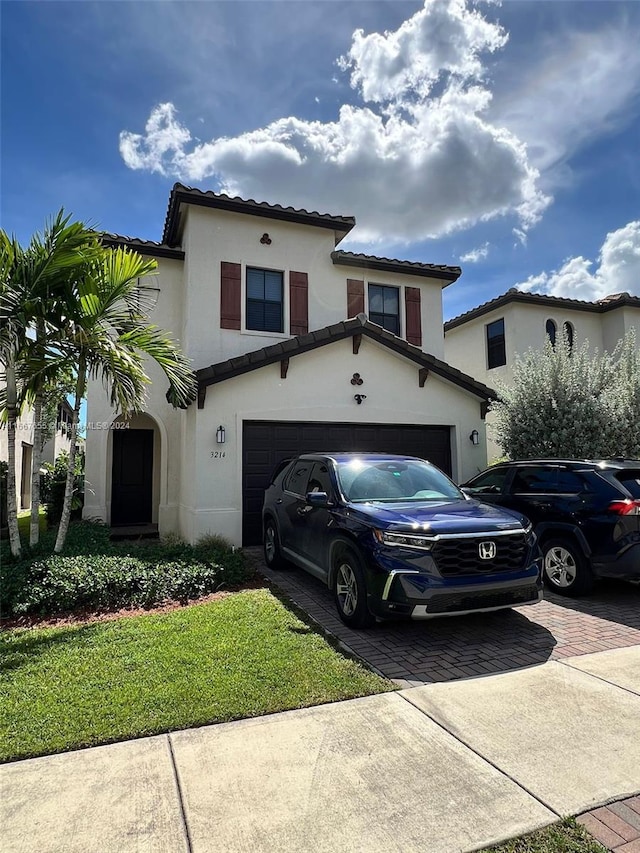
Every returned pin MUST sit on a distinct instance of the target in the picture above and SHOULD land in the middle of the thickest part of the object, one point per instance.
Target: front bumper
(461, 599)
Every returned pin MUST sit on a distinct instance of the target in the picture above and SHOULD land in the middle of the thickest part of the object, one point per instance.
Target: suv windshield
(391, 480)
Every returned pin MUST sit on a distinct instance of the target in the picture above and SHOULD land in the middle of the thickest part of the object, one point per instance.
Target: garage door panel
(266, 443)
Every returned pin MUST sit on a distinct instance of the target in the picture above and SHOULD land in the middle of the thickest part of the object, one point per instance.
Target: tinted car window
(630, 479)
(490, 481)
(546, 481)
(320, 480)
(297, 480)
(535, 480)
(394, 481)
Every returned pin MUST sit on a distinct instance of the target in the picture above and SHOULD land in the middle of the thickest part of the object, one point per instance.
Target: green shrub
(98, 574)
(54, 483)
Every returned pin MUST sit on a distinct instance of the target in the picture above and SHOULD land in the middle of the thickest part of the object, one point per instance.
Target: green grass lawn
(239, 656)
(564, 837)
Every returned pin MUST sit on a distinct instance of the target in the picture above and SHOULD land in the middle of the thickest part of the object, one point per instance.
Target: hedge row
(98, 574)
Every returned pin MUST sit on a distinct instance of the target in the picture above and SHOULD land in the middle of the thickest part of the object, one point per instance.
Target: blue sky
(504, 137)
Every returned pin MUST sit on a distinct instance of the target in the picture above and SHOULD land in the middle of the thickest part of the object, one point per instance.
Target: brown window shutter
(230, 295)
(414, 321)
(299, 302)
(355, 297)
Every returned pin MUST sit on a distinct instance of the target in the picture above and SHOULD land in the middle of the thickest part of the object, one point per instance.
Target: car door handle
(303, 510)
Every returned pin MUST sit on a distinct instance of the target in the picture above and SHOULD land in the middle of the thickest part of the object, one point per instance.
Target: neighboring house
(298, 346)
(485, 341)
(24, 448)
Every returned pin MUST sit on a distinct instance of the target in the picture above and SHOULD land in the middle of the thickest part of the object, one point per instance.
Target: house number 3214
(218, 454)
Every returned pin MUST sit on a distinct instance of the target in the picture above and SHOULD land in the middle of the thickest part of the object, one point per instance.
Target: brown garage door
(265, 443)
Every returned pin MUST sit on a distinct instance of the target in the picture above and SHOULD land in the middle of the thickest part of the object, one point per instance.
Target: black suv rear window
(630, 479)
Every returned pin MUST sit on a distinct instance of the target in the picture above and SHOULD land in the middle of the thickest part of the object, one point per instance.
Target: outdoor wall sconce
(221, 435)
(265, 239)
(356, 379)
(359, 398)
(474, 438)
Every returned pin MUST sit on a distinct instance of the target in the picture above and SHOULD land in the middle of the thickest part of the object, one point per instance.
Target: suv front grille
(456, 557)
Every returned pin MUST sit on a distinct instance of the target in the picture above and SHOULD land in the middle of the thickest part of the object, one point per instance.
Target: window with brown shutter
(230, 295)
(299, 302)
(414, 320)
(355, 297)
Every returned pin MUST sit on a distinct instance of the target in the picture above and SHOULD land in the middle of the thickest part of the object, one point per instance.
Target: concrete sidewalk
(444, 767)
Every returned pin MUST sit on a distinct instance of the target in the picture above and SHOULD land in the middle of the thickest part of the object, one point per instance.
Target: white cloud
(444, 36)
(475, 255)
(618, 270)
(416, 166)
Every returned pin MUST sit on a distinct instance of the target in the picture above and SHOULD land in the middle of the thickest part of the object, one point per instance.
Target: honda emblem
(487, 550)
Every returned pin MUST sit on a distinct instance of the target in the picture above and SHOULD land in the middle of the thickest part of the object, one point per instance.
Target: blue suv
(392, 536)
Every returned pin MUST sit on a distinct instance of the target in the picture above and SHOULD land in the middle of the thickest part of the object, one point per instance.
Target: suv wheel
(272, 554)
(350, 591)
(565, 568)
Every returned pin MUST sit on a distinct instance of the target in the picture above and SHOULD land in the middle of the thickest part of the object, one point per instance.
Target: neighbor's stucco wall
(525, 327)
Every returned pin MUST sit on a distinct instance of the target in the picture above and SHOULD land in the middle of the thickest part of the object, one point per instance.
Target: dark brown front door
(265, 443)
(132, 477)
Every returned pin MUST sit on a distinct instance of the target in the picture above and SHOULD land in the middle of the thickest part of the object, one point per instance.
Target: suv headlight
(409, 540)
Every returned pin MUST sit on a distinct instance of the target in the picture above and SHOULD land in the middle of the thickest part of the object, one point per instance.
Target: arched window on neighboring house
(551, 328)
(567, 328)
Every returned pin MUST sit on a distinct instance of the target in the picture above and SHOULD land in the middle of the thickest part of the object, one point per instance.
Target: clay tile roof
(144, 247)
(440, 271)
(616, 300)
(191, 195)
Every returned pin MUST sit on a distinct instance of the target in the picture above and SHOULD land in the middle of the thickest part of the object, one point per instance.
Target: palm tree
(108, 335)
(33, 280)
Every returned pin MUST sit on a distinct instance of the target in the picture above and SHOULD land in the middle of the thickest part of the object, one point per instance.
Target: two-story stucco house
(298, 346)
(485, 341)
(58, 443)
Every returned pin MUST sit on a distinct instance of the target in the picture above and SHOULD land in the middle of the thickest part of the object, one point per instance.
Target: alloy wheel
(560, 566)
(347, 589)
(270, 543)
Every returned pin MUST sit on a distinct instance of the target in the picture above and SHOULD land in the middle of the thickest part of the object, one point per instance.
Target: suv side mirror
(317, 499)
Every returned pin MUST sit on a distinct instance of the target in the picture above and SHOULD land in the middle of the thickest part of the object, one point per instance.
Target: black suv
(393, 536)
(586, 515)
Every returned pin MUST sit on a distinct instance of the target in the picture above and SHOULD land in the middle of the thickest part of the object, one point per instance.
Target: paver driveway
(413, 653)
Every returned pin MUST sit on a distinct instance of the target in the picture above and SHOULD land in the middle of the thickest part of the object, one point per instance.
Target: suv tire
(272, 553)
(564, 567)
(350, 590)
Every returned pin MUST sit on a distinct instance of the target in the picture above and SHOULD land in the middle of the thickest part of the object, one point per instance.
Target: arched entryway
(135, 471)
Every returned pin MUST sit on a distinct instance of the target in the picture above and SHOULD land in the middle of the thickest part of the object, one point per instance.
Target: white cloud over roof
(617, 270)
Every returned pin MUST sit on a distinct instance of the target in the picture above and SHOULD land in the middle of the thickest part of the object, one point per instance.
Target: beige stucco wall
(212, 236)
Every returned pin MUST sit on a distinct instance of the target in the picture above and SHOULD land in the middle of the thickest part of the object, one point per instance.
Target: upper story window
(496, 350)
(567, 328)
(264, 300)
(384, 307)
(551, 330)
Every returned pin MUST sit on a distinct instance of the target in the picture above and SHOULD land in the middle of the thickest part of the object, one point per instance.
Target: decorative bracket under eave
(484, 408)
(357, 340)
(284, 367)
(423, 375)
(202, 396)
